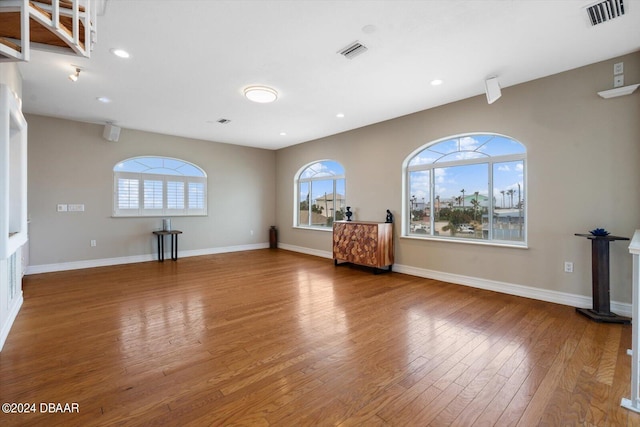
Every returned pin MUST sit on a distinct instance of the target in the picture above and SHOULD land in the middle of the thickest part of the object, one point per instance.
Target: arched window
(320, 194)
(469, 188)
(158, 186)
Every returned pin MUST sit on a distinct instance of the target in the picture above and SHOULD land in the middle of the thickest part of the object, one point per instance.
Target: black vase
(348, 213)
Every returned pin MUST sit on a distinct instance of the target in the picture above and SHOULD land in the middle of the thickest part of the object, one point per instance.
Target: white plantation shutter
(196, 195)
(175, 195)
(128, 193)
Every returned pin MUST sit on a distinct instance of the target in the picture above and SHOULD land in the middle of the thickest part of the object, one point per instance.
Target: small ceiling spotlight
(260, 94)
(74, 76)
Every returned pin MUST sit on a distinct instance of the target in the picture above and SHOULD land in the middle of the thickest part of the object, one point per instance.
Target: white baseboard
(300, 249)
(75, 265)
(13, 313)
(564, 298)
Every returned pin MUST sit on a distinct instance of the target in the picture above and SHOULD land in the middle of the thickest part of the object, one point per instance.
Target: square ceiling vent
(605, 11)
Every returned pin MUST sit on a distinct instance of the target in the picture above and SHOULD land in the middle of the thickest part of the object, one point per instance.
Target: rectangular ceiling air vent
(605, 11)
(353, 50)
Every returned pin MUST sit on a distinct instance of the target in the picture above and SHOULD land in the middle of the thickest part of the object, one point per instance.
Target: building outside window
(320, 195)
(468, 188)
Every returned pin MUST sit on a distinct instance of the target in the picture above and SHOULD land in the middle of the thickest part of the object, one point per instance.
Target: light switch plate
(618, 81)
(618, 68)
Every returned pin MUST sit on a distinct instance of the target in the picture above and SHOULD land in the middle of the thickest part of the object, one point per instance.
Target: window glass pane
(424, 158)
(175, 195)
(321, 194)
(196, 195)
(463, 204)
(162, 171)
(500, 146)
(188, 169)
(171, 164)
(159, 165)
(127, 193)
(130, 165)
(340, 202)
(167, 189)
(461, 199)
(445, 147)
(508, 215)
(321, 202)
(323, 169)
(461, 155)
(151, 162)
(419, 205)
(152, 194)
(303, 197)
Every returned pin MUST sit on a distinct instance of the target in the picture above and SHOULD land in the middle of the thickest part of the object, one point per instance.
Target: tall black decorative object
(273, 237)
(601, 311)
(348, 213)
(389, 217)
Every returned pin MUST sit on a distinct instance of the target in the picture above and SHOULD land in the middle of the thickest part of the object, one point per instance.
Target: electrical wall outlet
(618, 81)
(93, 243)
(568, 267)
(62, 208)
(76, 208)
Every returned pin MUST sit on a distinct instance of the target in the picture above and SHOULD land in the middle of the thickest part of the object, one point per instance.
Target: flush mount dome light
(261, 94)
(120, 53)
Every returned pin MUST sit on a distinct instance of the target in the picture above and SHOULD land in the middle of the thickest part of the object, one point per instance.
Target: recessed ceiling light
(120, 53)
(283, 134)
(340, 115)
(103, 99)
(261, 94)
(436, 82)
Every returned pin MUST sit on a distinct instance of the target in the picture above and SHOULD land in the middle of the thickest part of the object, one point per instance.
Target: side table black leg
(174, 247)
(160, 248)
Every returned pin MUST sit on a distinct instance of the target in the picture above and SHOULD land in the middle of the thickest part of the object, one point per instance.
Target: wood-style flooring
(276, 338)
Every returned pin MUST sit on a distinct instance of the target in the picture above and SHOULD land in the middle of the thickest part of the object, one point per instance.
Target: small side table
(601, 311)
(174, 243)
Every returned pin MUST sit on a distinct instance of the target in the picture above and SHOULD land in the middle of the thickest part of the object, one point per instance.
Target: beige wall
(583, 172)
(70, 163)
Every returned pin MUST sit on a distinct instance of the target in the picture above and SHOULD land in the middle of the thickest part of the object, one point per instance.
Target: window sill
(313, 228)
(469, 242)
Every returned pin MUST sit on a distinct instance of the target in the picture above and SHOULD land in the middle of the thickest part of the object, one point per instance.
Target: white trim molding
(308, 251)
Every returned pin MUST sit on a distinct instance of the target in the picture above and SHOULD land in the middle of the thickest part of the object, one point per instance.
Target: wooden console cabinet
(364, 243)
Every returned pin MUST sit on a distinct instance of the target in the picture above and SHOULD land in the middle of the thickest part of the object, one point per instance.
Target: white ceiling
(190, 61)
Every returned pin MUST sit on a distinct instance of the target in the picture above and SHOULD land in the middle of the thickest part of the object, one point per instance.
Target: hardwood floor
(275, 338)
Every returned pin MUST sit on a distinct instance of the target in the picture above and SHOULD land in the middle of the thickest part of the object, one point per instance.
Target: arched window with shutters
(158, 186)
